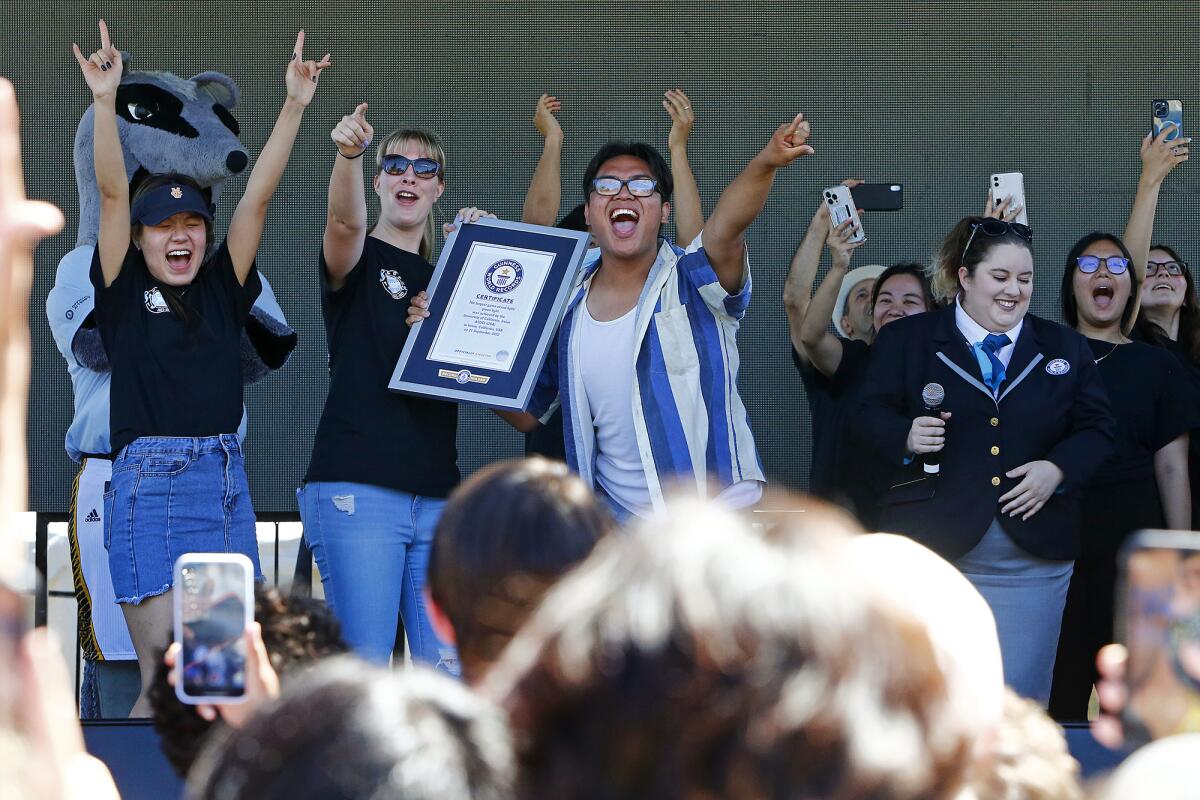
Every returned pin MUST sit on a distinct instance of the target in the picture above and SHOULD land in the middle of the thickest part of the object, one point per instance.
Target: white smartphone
(1010, 184)
(841, 208)
(214, 603)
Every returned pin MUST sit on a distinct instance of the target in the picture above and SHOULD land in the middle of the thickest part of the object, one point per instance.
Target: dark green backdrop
(937, 96)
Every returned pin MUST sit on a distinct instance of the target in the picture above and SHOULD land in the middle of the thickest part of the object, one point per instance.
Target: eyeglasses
(638, 187)
(422, 167)
(997, 227)
(1172, 268)
(1089, 264)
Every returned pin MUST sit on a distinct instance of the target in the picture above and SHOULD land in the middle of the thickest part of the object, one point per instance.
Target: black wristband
(351, 158)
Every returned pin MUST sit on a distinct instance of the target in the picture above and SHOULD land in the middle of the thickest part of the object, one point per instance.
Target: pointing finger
(105, 42)
(298, 50)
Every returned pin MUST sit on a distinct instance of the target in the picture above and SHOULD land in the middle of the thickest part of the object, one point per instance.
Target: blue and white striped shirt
(691, 426)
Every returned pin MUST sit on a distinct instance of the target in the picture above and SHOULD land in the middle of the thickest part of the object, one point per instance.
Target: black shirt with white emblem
(369, 434)
(173, 376)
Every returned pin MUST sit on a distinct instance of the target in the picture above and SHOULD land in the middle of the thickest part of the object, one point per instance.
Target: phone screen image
(213, 613)
(1161, 619)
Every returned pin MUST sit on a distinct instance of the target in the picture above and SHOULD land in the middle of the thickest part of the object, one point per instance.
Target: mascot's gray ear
(219, 86)
(125, 59)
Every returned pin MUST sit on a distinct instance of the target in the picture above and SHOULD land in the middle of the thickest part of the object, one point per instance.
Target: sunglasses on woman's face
(1172, 268)
(1089, 264)
(422, 167)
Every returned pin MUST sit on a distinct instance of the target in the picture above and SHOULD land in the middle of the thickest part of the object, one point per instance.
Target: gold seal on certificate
(495, 300)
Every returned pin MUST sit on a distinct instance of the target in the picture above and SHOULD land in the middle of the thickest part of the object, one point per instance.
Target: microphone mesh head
(933, 394)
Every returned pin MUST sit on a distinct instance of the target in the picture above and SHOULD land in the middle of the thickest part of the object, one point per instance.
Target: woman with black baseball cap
(170, 313)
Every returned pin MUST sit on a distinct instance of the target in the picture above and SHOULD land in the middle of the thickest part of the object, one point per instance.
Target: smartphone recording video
(214, 602)
(1159, 622)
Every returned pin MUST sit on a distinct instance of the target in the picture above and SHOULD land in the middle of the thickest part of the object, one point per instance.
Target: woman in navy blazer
(1024, 423)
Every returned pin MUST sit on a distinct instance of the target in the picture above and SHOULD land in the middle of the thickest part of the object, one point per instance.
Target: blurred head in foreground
(506, 535)
(1028, 759)
(699, 657)
(958, 620)
(351, 731)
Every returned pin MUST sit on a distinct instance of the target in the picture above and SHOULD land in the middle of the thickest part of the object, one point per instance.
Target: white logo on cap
(177, 192)
(1058, 366)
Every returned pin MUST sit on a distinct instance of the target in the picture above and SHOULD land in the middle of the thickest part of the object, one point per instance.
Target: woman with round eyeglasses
(1170, 318)
(994, 419)
(1144, 483)
(369, 506)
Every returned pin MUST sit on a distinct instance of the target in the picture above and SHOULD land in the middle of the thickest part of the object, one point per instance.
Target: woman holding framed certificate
(369, 509)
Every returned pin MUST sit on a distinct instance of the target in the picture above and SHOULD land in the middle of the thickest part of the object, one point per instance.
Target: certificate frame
(421, 371)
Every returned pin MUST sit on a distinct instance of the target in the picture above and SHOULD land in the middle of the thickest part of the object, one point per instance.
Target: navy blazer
(1052, 406)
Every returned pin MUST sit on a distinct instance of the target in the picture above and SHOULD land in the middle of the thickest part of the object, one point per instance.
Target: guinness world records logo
(503, 276)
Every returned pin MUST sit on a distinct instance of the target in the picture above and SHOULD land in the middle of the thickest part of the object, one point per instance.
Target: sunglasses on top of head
(1089, 264)
(394, 164)
(997, 227)
(638, 186)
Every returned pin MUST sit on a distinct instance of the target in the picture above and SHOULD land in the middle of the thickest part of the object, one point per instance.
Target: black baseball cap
(167, 200)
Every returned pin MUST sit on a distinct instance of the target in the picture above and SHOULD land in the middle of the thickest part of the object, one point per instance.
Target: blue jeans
(108, 689)
(372, 547)
(172, 495)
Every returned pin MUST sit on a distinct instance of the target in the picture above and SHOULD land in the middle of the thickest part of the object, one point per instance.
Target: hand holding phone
(840, 203)
(1009, 186)
(1158, 619)
(214, 604)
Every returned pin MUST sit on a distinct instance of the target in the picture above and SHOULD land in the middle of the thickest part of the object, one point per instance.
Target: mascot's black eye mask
(153, 107)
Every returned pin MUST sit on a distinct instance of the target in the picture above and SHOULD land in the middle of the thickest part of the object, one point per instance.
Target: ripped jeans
(372, 545)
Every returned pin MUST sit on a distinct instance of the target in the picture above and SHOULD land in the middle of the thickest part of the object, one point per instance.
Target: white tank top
(606, 365)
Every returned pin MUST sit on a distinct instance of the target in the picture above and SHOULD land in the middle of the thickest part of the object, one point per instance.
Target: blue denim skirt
(173, 495)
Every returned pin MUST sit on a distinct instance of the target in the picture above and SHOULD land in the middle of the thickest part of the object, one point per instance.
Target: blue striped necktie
(992, 343)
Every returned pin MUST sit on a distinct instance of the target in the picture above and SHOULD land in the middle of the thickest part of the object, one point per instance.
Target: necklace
(1109, 353)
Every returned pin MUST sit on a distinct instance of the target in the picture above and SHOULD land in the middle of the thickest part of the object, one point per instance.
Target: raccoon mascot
(166, 124)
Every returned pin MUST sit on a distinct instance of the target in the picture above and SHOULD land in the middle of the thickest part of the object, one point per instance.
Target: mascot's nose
(236, 161)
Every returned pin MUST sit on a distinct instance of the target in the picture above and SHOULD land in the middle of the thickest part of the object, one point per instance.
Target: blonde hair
(431, 146)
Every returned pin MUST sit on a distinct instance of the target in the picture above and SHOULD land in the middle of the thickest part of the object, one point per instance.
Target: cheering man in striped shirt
(646, 360)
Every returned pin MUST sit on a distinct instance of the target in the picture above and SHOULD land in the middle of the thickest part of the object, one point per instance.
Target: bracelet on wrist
(351, 158)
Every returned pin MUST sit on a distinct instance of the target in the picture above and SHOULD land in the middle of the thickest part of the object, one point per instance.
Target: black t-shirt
(173, 374)
(1191, 370)
(369, 434)
(840, 472)
(1152, 401)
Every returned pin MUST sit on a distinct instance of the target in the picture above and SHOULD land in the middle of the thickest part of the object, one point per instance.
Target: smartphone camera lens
(1160, 108)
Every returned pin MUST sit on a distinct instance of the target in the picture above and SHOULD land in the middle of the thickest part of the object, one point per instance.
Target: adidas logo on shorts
(92, 516)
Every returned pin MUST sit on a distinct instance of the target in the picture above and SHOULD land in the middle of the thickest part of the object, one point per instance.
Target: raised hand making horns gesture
(102, 70)
(302, 75)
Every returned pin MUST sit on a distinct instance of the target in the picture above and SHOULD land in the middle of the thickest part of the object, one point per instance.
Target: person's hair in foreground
(297, 632)
(350, 731)
(697, 657)
(506, 535)
(1030, 760)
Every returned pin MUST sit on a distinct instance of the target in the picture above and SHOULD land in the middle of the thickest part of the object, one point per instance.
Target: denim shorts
(169, 496)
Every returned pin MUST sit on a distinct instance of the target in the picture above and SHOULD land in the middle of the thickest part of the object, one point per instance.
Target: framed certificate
(495, 301)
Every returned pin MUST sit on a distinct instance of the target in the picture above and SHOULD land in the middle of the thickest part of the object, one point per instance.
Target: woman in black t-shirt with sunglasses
(382, 463)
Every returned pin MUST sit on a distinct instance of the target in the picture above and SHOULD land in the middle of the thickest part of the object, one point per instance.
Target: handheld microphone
(932, 396)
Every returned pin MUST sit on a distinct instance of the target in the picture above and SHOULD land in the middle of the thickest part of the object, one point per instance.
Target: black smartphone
(878, 196)
(214, 603)
(1158, 621)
